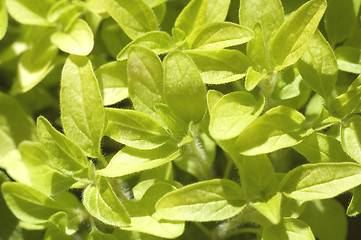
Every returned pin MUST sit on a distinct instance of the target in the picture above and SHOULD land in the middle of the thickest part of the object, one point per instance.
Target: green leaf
(57, 228)
(28, 204)
(326, 218)
(29, 12)
(134, 129)
(78, 39)
(346, 103)
(214, 36)
(318, 66)
(217, 10)
(233, 113)
(288, 229)
(321, 180)
(82, 112)
(268, 13)
(145, 73)
(270, 209)
(213, 98)
(257, 50)
(183, 86)
(253, 78)
(114, 81)
(130, 160)
(354, 208)
(348, 59)
(3, 19)
(258, 177)
(192, 16)
(278, 128)
(135, 17)
(35, 63)
(66, 156)
(159, 42)
(102, 203)
(98, 235)
(43, 176)
(351, 138)
(212, 200)
(341, 19)
(318, 148)
(291, 39)
(220, 66)
(15, 126)
(64, 14)
(154, 3)
(144, 218)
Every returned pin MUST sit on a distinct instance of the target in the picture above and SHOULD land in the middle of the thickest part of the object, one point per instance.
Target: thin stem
(205, 230)
(256, 231)
(117, 189)
(102, 159)
(228, 169)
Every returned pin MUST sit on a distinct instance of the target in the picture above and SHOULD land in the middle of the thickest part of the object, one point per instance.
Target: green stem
(206, 170)
(228, 169)
(102, 159)
(204, 230)
(117, 189)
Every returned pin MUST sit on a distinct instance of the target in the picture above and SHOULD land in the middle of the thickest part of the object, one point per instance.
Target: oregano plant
(180, 119)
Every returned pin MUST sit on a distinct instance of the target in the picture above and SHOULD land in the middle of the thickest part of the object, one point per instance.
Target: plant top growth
(201, 119)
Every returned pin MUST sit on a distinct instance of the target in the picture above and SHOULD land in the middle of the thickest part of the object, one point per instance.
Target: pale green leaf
(291, 39)
(102, 203)
(15, 126)
(145, 73)
(64, 14)
(269, 13)
(3, 19)
(341, 19)
(278, 128)
(347, 102)
(154, 3)
(326, 218)
(134, 129)
(217, 35)
(191, 17)
(43, 176)
(159, 42)
(28, 204)
(318, 148)
(130, 160)
(66, 156)
(114, 81)
(217, 10)
(253, 78)
(258, 177)
(183, 87)
(270, 209)
(233, 113)
(57, 228)
(318, 66)
(135, 17)
(35, 63)
(143, 216)
(288, 229)
(78, 39)
(351, 137)
(257, 50)
(212, 200)
(321, 180)
(349, 59)
(220, 66)
(213, 98)
(29, 12)
(82, 112)
(354, 208)
(98, 235)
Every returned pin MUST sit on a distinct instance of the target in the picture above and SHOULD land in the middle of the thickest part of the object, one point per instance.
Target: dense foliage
(201, 119)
